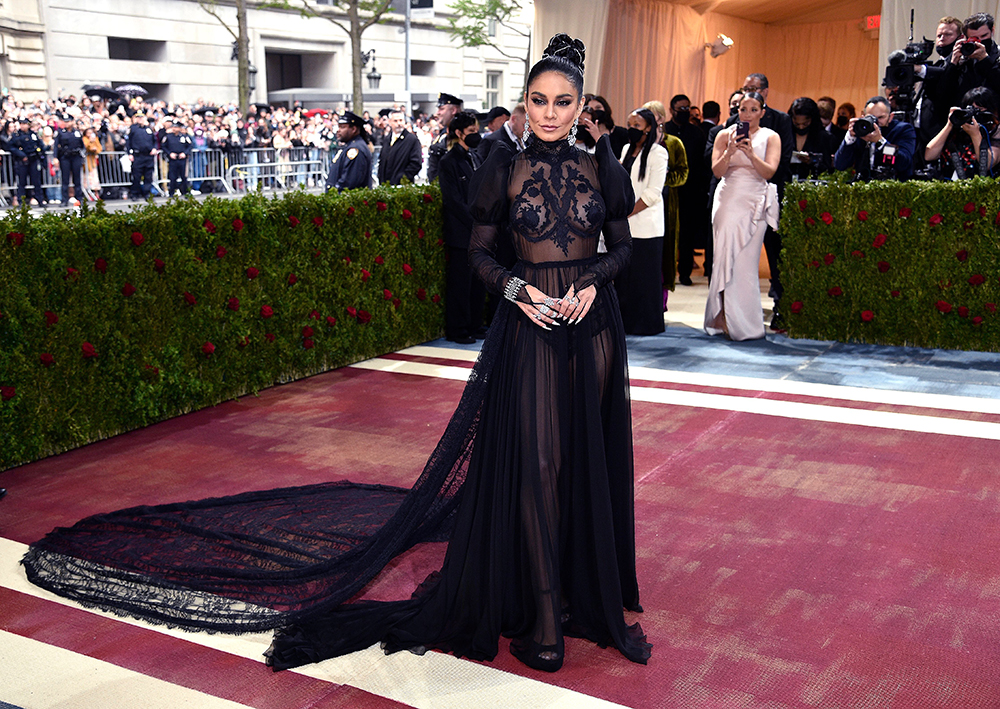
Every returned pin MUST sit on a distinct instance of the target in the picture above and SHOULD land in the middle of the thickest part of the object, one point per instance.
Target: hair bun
(562, 45)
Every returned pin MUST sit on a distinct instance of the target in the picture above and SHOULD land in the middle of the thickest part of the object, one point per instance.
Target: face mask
(801, 131)
(472, 140)
(842, 121)
(945, 51)
(733, 110)
(988, 43)
(635, 135)
(682, 114)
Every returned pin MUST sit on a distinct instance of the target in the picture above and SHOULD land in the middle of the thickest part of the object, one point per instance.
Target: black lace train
(531, 481)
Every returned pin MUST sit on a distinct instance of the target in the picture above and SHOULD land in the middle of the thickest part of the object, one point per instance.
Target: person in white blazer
(640, 286)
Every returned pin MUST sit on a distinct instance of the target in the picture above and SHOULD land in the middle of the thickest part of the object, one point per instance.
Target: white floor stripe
(433, 681)
(766, 407)
(777, 386)
(41, 676)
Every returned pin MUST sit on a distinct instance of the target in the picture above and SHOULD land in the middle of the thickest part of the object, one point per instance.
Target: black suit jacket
(454, 175)
(400, 159)
(856, 154)
(487, 144)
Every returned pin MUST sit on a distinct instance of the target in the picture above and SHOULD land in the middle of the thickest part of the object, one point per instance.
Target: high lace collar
(548, 149)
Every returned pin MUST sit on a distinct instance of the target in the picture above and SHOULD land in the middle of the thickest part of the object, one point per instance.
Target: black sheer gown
(532, 480)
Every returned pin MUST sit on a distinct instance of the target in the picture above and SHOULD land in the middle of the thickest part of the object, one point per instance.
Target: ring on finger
(550, 302)
(544, 310)
(536, 316)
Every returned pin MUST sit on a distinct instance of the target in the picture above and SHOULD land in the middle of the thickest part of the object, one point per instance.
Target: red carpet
(782, 562)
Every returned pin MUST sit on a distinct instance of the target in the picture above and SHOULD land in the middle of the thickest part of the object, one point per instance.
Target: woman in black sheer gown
(533, 474)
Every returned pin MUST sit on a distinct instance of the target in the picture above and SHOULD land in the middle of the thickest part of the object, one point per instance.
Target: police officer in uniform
(141, 147)
(29, 152)
(352, 167)
(448, 106)
(177, 145)
(68, 147)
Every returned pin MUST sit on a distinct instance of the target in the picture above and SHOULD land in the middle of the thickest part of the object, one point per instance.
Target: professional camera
(864, 126)
(961, 116)
(968, 49)
(901, 62)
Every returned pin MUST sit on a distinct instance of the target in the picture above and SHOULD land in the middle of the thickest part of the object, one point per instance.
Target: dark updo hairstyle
(460, 121)
(564, 55)
(755, 96)
(647, 144)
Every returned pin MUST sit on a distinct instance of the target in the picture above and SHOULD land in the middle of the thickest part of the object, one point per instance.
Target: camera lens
(968, 49)
(960, 116)
(864, 126)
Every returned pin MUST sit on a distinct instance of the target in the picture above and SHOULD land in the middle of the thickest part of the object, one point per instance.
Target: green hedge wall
(912, 263)
(113, 321)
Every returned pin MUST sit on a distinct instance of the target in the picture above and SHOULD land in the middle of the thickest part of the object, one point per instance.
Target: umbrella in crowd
(314, 111)
(205, 109)
(131, 90)
(99, 91)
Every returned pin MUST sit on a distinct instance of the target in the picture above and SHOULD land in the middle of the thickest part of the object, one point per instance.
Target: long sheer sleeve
(489, 209)
(616, 189)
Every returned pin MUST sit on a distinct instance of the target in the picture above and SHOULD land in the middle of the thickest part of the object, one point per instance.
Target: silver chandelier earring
(526, 133)
(572, 133)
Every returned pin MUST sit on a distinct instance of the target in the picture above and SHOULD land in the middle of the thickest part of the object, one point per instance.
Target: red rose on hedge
(252, 273)
(396, 302)
(101, 266)
(159, 265)
(829, 259)
(307, 331)
(969, 208)
(209, 227)
(976, 279)
(387, 294)
(16, 238)
(982, 211)
(879, 242)
(71, 273)
(365, 275)
(46, 359)
(208, 348)
(894, 294)
(317, 253)
(308, 344)
(245, 341)
(883, 266)
(350, 211)
(7, 393)
(797, 306)
(269, 336)
(435, 298)
(364, 317)
(420, 233)
(421, 294)
(381, 206)
(292, 279)
(395, 234)
(810, 221)
(407, 269)
(233, 304)
(814, 264)
(293, 221)
(128, 290)
(827, 218)
(440, 242)
(991, 307)
(962, 255)
(803, 204)
(428, 198)
(368, 235)
(318, 221)
(237, 224)
(963, 312)
(314, 315)
(190, 298)
(935, 219)
(137, 238)
(50, 318)
(407, 214)
(978, 320)
(352, 311)
(905, 212)
(858, 254)
(88, 350)
(347, 259)
(867, 315)
(331, 321)
(266, 311)
(379, 260)
(863, 216)
(943, 306)
(835, 292)
(220, 251)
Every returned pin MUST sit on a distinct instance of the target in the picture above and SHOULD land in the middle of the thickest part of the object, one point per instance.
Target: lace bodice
(557, 200)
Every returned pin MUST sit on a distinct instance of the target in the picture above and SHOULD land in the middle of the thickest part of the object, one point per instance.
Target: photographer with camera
(974, 61)
(969, 143)
(876, 145)
(932, 100)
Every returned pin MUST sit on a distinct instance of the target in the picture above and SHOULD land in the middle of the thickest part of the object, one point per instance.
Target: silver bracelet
(514, 286)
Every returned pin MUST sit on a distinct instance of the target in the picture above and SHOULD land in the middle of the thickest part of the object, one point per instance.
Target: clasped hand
(544, 310)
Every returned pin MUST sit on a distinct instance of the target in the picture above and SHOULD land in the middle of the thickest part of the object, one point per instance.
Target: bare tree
(243, 47)
(470, 25)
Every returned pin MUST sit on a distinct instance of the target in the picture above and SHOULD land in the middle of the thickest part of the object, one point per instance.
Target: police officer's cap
(446, 99)
(385, 112)
(352, 119)
(496, 112)
(25, 119)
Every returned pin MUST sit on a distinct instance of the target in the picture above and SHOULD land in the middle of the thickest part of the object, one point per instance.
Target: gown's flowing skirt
(532, 478)
(744, 205)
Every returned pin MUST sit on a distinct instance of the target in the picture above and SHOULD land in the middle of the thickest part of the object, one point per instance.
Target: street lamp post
(251, 81)
(373, 76)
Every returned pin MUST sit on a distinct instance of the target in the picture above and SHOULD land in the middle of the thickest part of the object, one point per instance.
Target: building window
(493, 88)
(421, 67)
(141, 50)
(491, 27)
